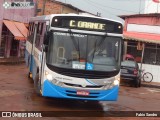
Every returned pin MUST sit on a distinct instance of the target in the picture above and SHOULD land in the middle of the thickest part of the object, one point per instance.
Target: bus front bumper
(51, 90)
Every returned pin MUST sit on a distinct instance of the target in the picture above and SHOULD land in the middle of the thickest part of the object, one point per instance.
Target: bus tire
(37, 85)
(29, 75)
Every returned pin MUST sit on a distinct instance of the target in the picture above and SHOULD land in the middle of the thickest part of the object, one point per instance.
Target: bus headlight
(116, 82)
(49, 77)
(52, 79)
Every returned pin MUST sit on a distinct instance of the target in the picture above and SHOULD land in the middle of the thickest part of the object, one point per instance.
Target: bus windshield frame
(84, 52)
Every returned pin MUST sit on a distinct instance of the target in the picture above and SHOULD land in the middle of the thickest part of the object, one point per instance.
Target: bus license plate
(83, 93)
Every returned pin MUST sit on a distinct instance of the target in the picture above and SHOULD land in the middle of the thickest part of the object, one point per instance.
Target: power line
(90, 4)
(111, 7)
(140, 10)
(99, 7)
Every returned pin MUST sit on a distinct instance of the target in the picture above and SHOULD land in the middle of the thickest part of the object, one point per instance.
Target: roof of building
(140, 15)
(71, 6)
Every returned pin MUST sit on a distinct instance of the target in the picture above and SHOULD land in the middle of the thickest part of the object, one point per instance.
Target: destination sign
(87, 23)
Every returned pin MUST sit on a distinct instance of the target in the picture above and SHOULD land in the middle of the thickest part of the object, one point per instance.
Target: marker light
(56, 20)
(119, 27)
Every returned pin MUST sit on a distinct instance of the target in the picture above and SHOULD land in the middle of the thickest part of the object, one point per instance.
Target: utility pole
(140, 7)
(98, 14)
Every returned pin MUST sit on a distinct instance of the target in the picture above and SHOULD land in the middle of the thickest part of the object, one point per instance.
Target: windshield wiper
(94, 50)
(73, 40)
(96, 47)
(75, 43)
(100, 43)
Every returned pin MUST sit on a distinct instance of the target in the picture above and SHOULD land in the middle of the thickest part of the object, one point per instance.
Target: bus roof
(49, 17)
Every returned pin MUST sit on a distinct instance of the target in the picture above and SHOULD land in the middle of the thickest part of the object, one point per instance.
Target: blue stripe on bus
(51, 90)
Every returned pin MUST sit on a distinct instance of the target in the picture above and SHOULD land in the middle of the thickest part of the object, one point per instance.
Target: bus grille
(88, 86)
(83, 73)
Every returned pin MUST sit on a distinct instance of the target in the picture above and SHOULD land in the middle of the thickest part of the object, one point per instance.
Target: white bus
(75, 56)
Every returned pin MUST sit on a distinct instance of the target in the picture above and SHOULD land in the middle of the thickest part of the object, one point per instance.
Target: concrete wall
(151, 7)
(154, 69)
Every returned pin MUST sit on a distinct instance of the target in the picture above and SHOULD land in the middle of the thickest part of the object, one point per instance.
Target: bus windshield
(84, 52)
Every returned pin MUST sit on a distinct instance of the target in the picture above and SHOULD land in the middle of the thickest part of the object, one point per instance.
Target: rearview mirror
(45, 48)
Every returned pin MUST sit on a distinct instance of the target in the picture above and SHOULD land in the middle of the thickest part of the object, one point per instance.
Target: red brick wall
(54, 8)
(50, 8)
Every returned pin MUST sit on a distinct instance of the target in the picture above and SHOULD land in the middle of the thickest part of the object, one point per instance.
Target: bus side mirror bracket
(46, 41)
(46, 38)
(45, 48)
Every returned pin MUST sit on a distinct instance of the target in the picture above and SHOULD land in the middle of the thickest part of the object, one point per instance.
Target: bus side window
(37, 36)
(40, 35)
(31, 32)
(43, 30)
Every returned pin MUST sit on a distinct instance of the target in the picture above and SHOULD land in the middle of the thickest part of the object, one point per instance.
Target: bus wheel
(29, 75)
(37, 85)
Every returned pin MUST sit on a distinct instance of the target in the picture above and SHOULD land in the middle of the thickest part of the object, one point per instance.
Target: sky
(109, 8)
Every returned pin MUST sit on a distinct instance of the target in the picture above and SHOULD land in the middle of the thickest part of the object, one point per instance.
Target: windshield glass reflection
(85, 52)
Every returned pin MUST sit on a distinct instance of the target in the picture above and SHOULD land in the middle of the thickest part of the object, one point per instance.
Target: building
(13, 29)
(142, 39)
(46, 7)
(151, 6)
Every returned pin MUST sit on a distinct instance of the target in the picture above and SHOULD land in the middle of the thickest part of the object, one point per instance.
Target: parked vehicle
(130, 72)
(129, 57)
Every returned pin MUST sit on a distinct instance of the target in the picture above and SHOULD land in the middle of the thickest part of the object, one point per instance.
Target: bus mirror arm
(45, 48)
(46, 38)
